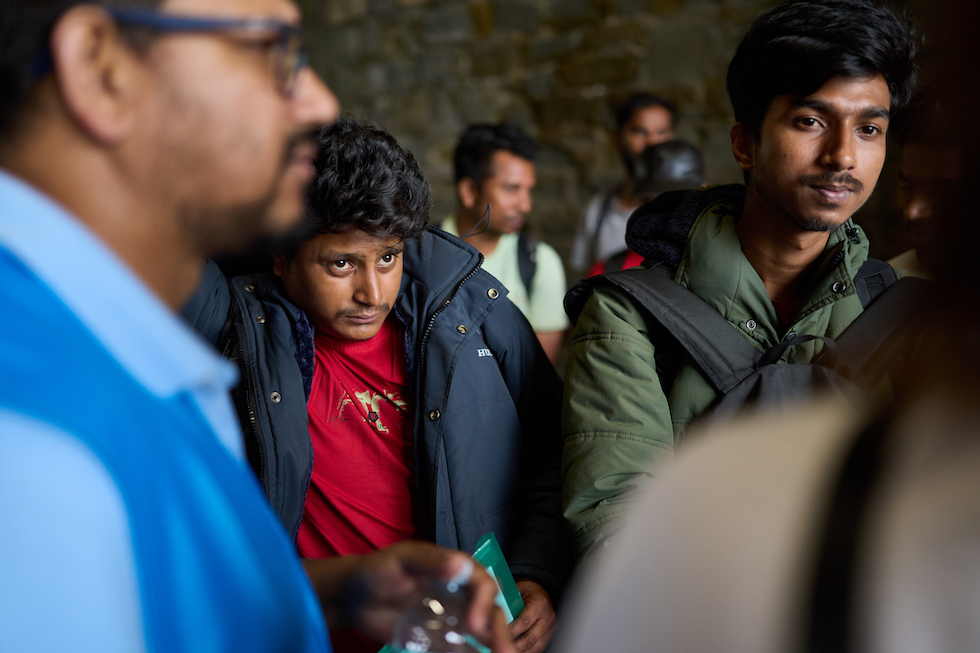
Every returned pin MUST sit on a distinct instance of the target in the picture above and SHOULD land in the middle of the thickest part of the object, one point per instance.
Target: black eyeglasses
(288, 53)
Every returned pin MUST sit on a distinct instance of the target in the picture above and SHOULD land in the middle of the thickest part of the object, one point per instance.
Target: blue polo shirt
(67, 570)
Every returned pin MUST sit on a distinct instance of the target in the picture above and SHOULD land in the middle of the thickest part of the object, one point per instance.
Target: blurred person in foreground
(359, 428)
(642, 120)
(814, 87)
(928, 176)
(832, 528)
(137, 139)
(495, 180)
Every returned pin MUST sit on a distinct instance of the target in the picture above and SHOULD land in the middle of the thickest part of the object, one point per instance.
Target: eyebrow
(345, 256)
(826, 107)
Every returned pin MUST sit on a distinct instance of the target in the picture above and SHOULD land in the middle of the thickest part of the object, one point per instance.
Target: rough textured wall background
(424, 69)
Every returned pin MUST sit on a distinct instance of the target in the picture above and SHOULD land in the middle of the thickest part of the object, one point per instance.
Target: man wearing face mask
(642, 120)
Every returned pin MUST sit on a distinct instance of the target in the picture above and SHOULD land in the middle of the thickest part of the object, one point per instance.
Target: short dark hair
(365, 180)
(800, 45)
(478, 144)
(624, 110)
(25, 27)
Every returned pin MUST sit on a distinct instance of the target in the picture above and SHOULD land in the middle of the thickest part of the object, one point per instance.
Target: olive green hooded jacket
(617, 421)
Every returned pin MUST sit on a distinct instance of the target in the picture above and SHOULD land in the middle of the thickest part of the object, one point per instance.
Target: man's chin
(511, 227)
(359, 333)
(816, 225)
(823, 218)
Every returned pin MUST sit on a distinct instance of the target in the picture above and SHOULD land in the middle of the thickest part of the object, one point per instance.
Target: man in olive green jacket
(776, 256)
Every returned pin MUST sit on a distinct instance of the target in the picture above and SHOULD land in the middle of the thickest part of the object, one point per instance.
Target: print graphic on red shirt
(362, 489)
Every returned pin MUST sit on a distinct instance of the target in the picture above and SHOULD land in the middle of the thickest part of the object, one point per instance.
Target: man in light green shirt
(494, 181)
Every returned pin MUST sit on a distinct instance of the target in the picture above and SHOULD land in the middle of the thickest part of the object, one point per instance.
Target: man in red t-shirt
(360, 421)
(430, 407)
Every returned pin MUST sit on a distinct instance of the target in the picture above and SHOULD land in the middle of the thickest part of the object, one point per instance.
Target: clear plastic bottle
(435, 619)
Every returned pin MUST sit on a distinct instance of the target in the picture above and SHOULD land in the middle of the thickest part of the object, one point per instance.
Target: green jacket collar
(714, 268)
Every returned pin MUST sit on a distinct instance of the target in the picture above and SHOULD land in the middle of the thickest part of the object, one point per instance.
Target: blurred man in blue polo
(136, 139)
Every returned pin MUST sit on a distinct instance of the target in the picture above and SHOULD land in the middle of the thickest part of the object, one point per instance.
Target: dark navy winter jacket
(487, 402)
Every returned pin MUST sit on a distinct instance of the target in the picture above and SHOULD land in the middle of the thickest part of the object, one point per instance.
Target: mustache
(302, 137)
(348, 312)
(833, 179)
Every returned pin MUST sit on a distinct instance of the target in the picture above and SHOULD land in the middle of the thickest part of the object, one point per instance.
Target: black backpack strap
(872, 279)
(877, 339)
(527, 259)
(723, 355)
(599, 221)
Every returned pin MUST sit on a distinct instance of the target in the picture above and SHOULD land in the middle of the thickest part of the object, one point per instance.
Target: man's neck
(782, 253)
(483, 239)
(626, 194)
(96, 192)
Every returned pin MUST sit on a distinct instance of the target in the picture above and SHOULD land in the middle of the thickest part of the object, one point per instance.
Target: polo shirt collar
(145, 336)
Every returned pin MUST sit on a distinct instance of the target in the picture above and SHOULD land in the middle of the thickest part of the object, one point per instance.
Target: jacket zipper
(443, 304)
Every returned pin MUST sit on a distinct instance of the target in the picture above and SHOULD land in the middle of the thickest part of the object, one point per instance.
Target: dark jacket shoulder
(658, 230)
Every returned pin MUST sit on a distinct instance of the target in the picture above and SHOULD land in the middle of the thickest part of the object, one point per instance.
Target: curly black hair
(800, 45)
(365, 180)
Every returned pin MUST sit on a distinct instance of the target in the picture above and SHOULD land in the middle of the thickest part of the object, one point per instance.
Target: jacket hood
(435, 266)
(439, 261)
(658, 230)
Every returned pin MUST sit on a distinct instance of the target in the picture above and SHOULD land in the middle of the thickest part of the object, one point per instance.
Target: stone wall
(425, 69)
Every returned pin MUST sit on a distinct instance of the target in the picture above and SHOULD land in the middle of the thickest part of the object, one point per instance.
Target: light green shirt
(544, 308)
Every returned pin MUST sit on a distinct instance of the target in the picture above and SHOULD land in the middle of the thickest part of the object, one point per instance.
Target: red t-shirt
(786, 311)
(631, 261)
(361, 492)
(362, 488)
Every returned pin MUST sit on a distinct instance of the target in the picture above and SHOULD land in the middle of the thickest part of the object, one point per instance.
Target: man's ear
(279, 265)
(743, 146)
(468, 192)
(96, 73)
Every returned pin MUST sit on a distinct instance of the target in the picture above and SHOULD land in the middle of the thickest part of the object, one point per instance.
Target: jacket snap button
(249, 288)
(260, 319)
(275, 397)
(461, 328)
(493, 294)
(434, 415)
(839, 287)
(751, 325)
